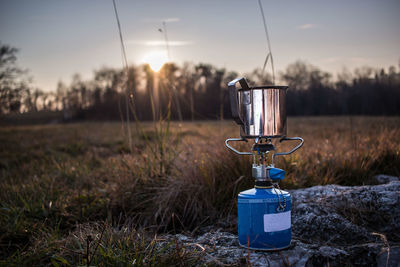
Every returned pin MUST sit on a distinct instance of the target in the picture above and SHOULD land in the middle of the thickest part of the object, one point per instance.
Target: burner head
(262, 148)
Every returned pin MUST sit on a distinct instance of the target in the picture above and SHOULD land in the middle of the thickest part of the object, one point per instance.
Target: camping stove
(263, 211)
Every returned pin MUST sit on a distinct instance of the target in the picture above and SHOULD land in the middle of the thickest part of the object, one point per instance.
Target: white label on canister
(276, 221)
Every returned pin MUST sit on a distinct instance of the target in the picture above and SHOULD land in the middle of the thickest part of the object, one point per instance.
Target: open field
(76, 193)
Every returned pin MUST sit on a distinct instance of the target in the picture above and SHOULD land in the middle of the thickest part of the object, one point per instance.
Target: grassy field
(76, 194)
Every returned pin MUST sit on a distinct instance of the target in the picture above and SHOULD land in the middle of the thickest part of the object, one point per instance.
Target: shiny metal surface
(292, 150)
(234, 150)
(259, 172)
(263, 111)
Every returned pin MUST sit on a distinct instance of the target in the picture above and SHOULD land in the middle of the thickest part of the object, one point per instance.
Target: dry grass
(62, 184)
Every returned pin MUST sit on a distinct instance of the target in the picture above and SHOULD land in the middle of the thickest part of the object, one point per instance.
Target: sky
(59, 38)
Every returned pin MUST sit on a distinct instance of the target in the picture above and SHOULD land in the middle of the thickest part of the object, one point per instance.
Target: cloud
(172, 19)
(306, 26)
(160, 43)
(158, 20)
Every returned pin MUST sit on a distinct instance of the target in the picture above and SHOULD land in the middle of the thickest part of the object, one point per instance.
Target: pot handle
(233, 97)
(291, 151)
(234, 150)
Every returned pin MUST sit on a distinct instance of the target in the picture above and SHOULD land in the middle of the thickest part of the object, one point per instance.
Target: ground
(79, 193)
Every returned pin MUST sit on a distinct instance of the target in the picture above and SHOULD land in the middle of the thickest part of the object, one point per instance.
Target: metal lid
(279, 87)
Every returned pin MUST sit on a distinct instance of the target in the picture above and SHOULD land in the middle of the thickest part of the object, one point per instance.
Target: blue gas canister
(264, 218)
(264, 211)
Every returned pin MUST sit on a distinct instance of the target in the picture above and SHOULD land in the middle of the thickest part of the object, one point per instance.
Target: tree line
(195, 91)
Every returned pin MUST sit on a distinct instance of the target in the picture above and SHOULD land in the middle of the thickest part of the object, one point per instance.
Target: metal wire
(281, 207)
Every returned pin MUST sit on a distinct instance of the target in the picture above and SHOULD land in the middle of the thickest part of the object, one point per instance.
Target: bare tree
(13, 81)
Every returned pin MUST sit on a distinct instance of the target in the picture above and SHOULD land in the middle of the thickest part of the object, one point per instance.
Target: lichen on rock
(332, 226)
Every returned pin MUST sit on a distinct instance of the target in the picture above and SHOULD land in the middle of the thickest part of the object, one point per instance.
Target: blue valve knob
(276, 174)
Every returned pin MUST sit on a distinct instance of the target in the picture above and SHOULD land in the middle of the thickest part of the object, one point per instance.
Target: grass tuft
(74, 194)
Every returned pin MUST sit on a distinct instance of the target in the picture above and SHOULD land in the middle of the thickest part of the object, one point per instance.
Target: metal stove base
(266, 249)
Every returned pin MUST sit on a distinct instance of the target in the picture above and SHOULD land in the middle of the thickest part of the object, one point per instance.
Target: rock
(394, 256)
(221, 248)
(332, 226)
(384, 179)
(346, 215)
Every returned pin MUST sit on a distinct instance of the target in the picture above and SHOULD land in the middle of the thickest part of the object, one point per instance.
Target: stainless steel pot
(261, 110)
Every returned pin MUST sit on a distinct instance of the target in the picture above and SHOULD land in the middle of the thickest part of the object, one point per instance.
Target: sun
(156, 59)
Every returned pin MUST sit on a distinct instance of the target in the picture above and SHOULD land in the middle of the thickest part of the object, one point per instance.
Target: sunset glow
(156, 60)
